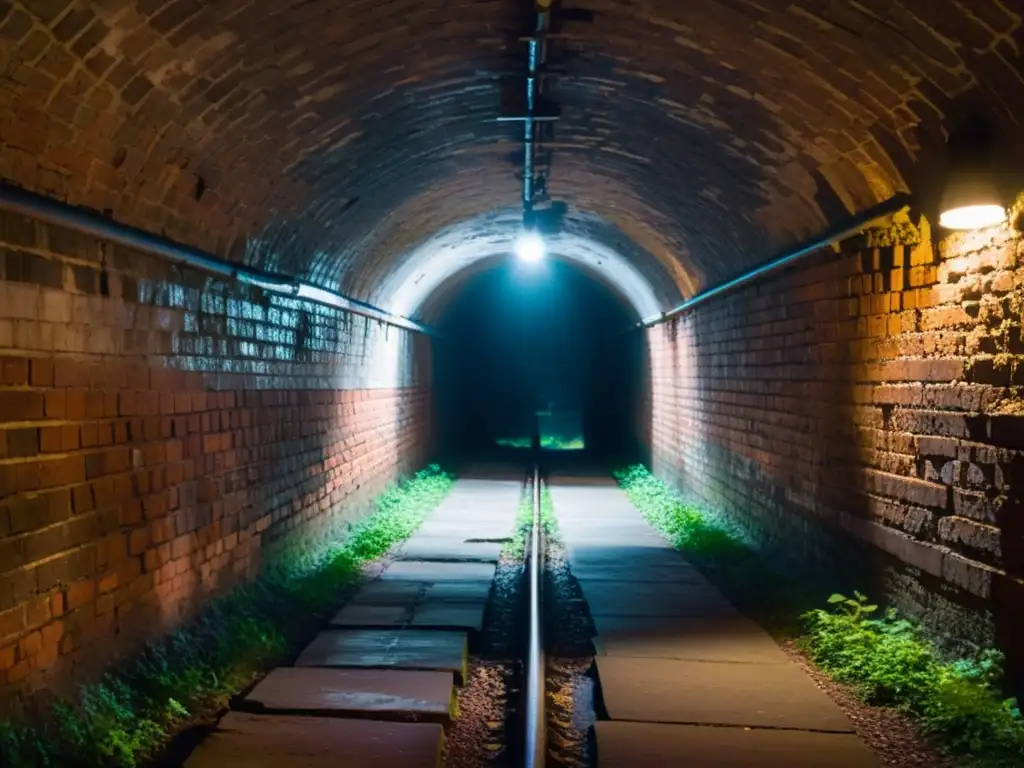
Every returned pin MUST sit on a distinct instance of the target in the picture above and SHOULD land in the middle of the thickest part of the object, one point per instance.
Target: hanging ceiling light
(971, 199)
(530, 247)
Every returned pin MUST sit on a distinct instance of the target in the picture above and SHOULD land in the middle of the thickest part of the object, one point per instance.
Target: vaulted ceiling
(353, 142)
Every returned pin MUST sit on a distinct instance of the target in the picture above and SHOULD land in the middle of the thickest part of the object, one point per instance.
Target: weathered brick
(759, 195)
(933, 461)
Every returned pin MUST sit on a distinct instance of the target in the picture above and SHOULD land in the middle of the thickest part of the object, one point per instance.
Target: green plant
(716, 547)
(515, 547)
(889, 663)
(881, 654)
(547, 442)
(125, 717)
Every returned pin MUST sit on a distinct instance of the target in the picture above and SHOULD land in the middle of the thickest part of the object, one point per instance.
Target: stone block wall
(872, 396)
(159, 430)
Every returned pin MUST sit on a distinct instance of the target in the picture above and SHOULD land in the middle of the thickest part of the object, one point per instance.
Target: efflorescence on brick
(161, 431)
(874, 394)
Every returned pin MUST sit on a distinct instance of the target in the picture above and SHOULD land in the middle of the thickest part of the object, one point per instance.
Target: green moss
(885, 658)
(515, 547)
(133, 712)
(547, 442)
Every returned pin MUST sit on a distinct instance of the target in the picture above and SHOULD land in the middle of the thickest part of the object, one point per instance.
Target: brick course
(710, 133)
(830, 402)
(162, 436)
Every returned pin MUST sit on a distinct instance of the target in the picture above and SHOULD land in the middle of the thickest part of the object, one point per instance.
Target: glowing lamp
(971, 202)
(971, 199)
(973, 217)
(530, 247)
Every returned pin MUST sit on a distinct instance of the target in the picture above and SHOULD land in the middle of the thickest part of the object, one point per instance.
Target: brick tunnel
(174, 410)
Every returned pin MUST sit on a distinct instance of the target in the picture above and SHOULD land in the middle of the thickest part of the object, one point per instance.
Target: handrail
(25, 203)
(840, 231)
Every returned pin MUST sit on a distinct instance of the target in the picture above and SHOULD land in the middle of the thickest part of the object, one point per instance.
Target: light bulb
(530, 247)
(973, 216)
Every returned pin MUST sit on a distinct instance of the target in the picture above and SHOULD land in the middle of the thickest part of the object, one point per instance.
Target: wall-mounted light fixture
(971, 199)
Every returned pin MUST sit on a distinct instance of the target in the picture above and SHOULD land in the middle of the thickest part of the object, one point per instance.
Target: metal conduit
(839, 231)
(538, 57)
(24, 203)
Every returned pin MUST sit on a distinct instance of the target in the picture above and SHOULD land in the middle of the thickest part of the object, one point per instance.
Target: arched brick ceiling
(588, 243)
(334, 138)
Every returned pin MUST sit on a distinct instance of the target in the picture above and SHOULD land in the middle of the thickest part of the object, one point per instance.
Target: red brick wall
(870, 396)
(159, 429)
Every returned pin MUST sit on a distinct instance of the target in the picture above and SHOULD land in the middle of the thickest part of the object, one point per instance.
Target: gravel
(478, 734)
(485, 730)
(569, 637)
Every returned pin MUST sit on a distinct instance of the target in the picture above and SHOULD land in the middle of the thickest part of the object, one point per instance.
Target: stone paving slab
(624, 572)
(607, 598)
(447, 615)
(402, 648)
(449, 548)
(382, 693)
(623, 551)
(400, 593)
(424, 571)
(733, 639)
(440, 614)
(361, 615)
(266, 741)
(663, 571)
(670, 746)
(493, 533)
(601, 530)
(483, 510)
(711, 693)
(405, 593)
(457, 591)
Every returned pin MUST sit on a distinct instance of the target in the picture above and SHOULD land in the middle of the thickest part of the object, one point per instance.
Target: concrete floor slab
(620, 552)
(474, 534)
(361, 615)
(457, 591)
(597, 535)
(267, 741)
(405, 593)
(607, 598)
(730, 639)
(670, 746)
(449, 548)
(448, 615)
(379, 592)
(711, 693)
(382, 693)
(402, 648)
(659, 573)
(415, 570)
(438, 614)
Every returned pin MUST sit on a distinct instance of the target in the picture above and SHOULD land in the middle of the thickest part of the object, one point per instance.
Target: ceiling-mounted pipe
(538, 57)
(24, 203)
(840, 231)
